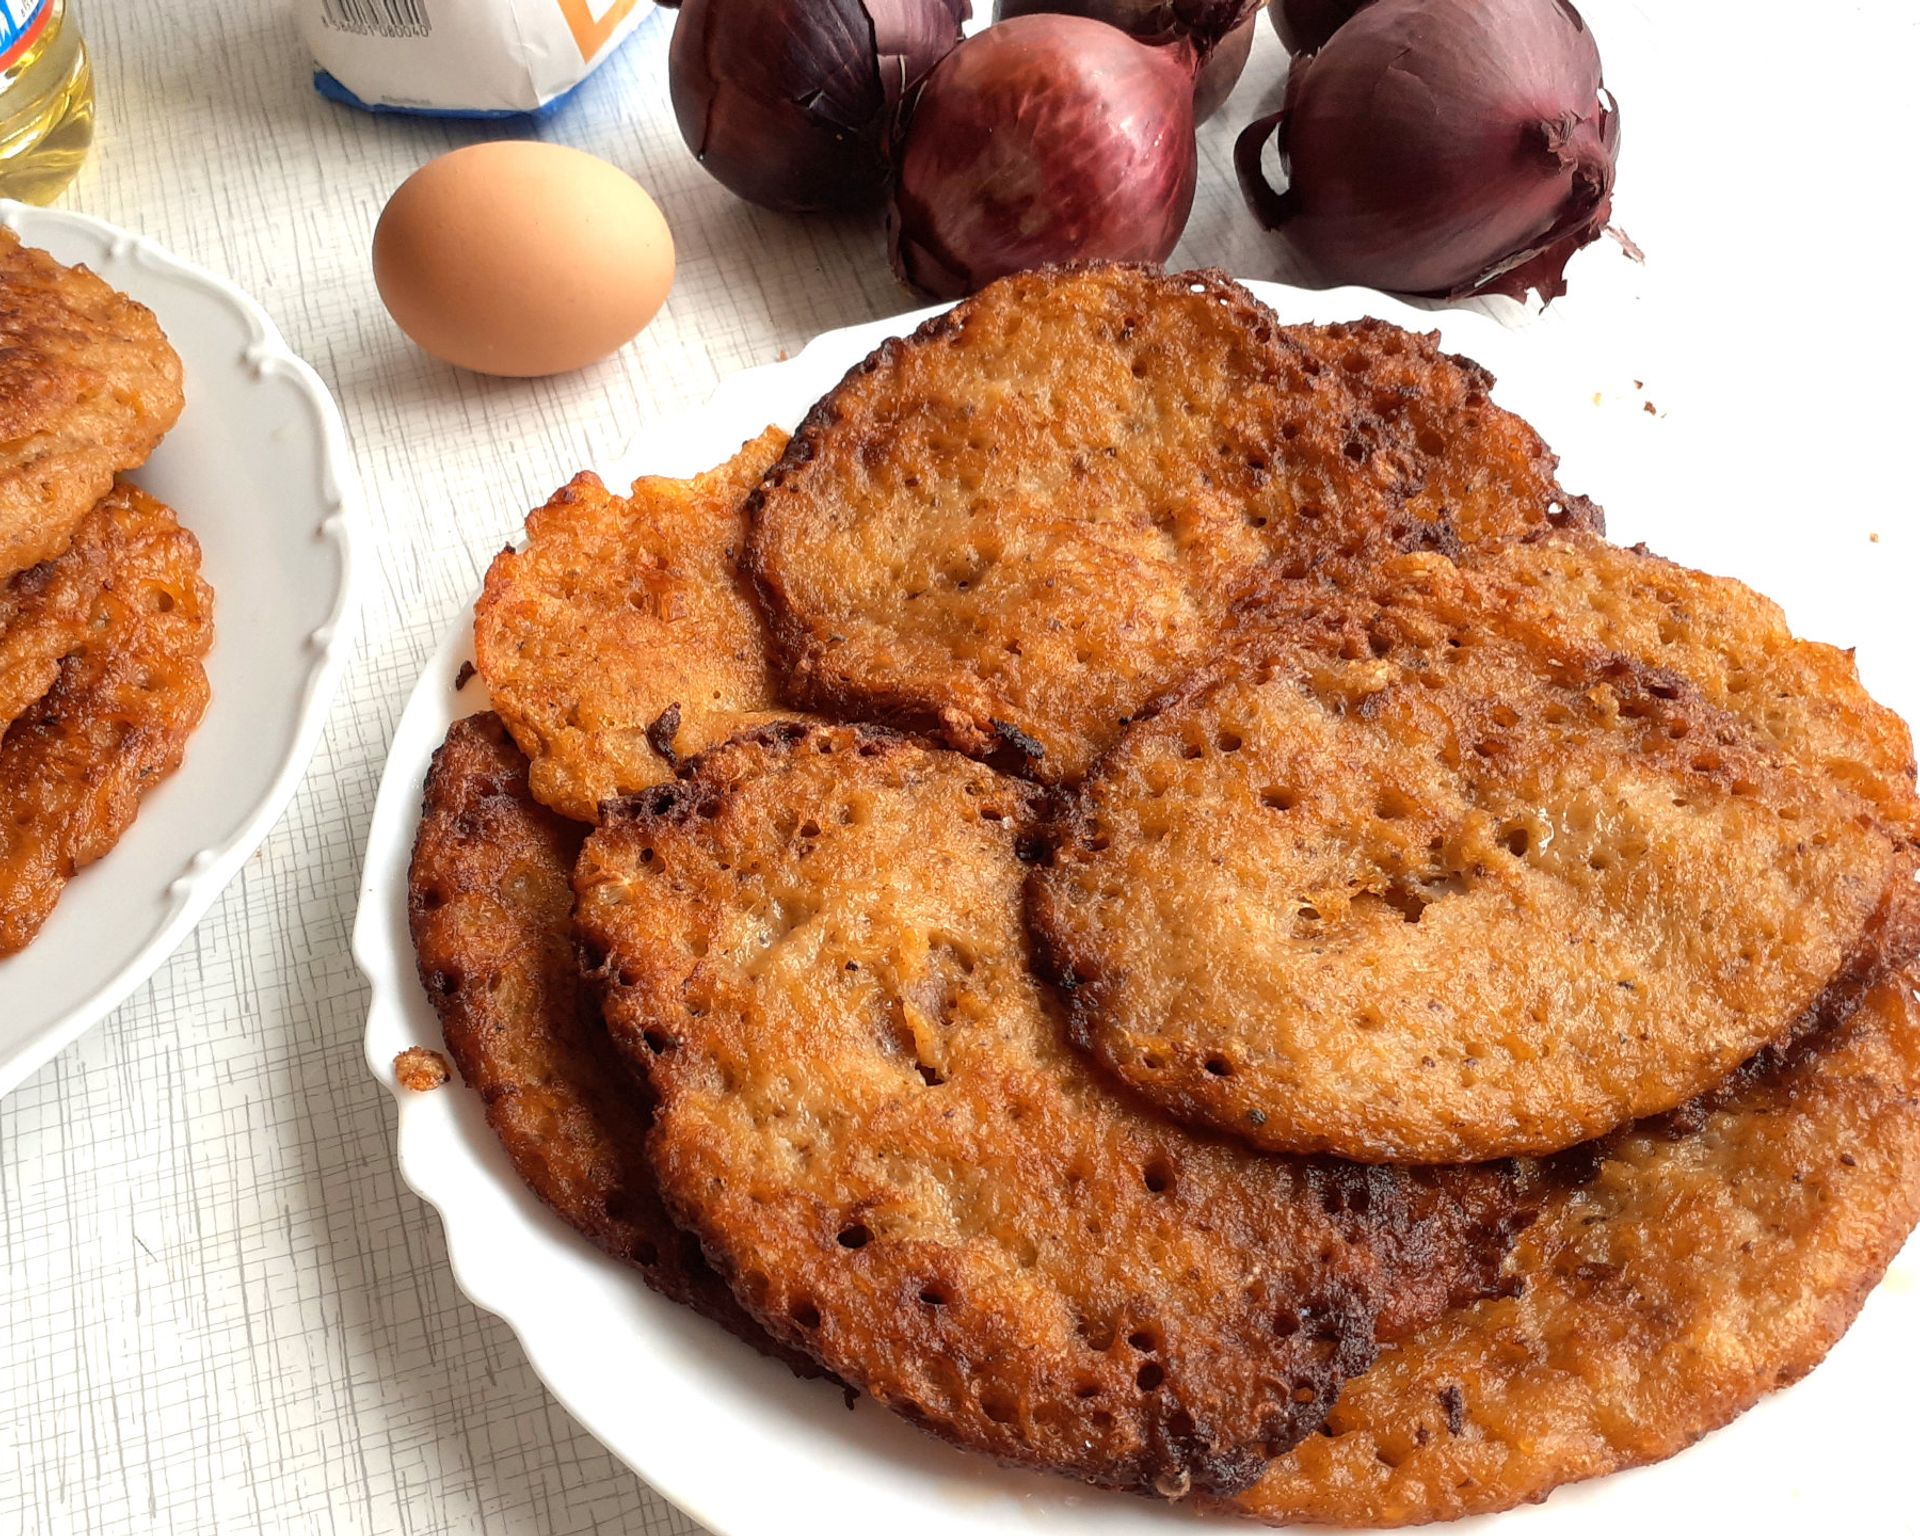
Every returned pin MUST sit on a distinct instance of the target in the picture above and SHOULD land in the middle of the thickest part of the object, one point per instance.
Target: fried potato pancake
(621, 638)
(871, 1115)
(1679, 1272)
(1017, 526)
(1418, 880)
(75, 764)
(88, 385)
(1469, 474)
(490, 908)
(51, 610)
(1734, 646)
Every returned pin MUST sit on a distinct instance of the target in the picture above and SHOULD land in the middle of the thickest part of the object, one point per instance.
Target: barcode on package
(382, 18)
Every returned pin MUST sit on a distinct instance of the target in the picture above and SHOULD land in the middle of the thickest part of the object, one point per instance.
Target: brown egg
(521, 259)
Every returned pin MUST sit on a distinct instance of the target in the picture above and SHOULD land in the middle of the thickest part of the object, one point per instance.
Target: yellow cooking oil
(46, 99)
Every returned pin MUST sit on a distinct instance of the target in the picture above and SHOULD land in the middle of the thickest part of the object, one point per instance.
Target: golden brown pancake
(869, 1112)
(490, 908)
(1733, 645)
(1679, 1272)
(1417, 878)
(621, 638)
(75, 764)
(88, 385)
(53, 609)
(1017, 526)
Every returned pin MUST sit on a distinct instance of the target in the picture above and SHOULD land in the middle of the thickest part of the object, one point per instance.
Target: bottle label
(21, 23)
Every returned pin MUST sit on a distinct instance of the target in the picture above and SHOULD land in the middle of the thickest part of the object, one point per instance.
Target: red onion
(1043, 139)
(1305, 25)
(788, 102)
(1221, 32)
(1443, 147)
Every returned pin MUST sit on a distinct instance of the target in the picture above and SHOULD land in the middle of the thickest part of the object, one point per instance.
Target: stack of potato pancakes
(104, 619)
(1150, 891)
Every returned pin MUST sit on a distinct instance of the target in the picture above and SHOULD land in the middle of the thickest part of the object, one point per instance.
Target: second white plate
(258, 469)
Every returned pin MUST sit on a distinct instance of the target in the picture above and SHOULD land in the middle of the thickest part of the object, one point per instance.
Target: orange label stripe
(591, 36)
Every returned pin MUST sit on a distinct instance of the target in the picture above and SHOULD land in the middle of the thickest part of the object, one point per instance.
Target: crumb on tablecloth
(419, 1069)
(464, 675)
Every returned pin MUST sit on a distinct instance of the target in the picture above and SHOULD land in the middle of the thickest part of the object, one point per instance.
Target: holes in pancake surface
(1277, 797)
(1158, 1176)
(1218, 1066)
(998, 1405)
(1392, 805)
(1098, 1336)
(1149, 1377)
(855, 1235)
(805, 1313)
(1404, 899)
(934, 1294)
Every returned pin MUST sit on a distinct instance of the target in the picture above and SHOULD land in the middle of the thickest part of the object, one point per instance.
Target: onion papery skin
(789, 103)
(1043, 139)
(1220, 32)
(1443, 148)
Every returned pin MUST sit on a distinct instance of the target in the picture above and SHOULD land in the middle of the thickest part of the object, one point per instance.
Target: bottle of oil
(46, 99)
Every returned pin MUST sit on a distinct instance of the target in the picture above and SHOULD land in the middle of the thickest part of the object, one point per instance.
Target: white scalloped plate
(746, 1449)
(258, 468)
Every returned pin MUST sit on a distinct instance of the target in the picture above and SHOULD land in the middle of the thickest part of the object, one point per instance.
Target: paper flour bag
(460, 58)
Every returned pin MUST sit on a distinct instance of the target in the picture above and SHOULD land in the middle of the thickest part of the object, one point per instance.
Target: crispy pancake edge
(489, 909)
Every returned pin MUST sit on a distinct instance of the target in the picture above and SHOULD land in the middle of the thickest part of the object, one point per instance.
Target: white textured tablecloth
(221, 1311)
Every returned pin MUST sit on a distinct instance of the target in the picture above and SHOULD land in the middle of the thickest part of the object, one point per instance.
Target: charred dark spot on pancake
(660, 734)
(1018, 742)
